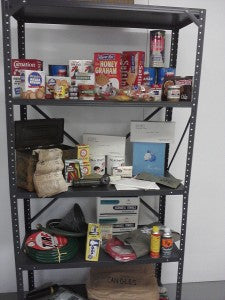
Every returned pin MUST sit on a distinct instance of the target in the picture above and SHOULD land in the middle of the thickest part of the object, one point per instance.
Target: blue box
(149, 76)
(149, 157)
(162, 72)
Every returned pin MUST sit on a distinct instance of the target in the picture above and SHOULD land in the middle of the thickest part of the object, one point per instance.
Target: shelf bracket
(192, 17)
(155, 213)
(44, 209)
(41, 112)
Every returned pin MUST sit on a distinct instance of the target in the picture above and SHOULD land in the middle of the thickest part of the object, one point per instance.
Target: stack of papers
(135, 184)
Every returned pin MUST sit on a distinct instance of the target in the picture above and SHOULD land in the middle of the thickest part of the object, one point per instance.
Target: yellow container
(93, 242)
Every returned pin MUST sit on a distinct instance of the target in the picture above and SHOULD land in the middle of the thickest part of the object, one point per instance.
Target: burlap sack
(45, 167)
(122, 282)
(47, 185)
(48, 154)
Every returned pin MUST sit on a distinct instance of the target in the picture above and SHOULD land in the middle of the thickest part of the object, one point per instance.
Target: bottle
(167, 243)
(155, 242)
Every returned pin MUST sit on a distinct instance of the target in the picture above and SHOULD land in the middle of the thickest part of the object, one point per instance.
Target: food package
(133, 68)
(18, 65)
(185, 84)
(16, 86)
(80, 66)
(86, 92)
(72, 170)
(127, 282)
(93, 242)
(32, 85)
(107, 68)
(52, 81)
(82, 152)
(85, 168)
(149, 76)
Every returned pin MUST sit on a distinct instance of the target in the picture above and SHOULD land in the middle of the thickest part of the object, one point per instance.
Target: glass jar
(173, 93)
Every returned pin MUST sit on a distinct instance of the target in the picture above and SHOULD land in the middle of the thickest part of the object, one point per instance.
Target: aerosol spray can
(155, 242)
(157, 48)
(167, 243)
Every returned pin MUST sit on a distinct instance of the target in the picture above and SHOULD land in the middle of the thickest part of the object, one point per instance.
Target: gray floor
(191, 291)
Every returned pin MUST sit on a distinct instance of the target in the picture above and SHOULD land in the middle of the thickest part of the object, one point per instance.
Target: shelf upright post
(6, 28)
(195, 94)
(168, 118)
(23, 117)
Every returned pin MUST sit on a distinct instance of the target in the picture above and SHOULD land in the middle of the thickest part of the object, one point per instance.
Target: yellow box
(93, 242)
(82, 152)
(85, 168)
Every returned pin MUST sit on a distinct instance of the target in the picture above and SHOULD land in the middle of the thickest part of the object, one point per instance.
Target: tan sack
(48, 154)
(45, 167)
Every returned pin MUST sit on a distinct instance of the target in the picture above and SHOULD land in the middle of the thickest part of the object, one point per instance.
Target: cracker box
(32, 85)
(93, 242)
(52, 81)
(133, 68)
(72, 171)
(84, 79)
(16, 86)
(80, 66)
(18, 65)
(107, 68)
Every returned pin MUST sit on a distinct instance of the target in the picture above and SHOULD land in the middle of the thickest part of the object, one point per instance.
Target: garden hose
(45, 248)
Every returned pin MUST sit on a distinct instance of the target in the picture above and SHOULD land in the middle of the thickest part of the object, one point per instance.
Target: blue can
(149, 76)
(58, 70)
(162, 72)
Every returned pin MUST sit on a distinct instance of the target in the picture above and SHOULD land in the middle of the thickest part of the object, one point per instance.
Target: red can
(133, 68)
(157, 48)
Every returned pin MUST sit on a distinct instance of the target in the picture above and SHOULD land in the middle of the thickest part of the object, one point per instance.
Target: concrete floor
(191, 291)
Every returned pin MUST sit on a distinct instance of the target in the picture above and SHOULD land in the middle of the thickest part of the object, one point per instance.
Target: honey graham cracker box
(107, 68)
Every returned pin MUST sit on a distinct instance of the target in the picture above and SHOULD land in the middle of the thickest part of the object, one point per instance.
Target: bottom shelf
(78, 261)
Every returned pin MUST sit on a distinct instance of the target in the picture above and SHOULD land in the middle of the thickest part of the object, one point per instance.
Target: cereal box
(107, 68)
(133, 68)
(93, 242)
(80, 66)
(32, 85)
(19, 65)
(52, 81)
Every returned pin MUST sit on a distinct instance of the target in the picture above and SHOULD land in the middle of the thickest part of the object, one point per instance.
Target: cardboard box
(16, 86)
(133, 68)
(32, 85)
(18, 65)
(123, 171)
(154, 132)
(117, 205)
(72, 171)
(82, 152)
(149, 157)
(80, 66)
(105, 144)
(85, 168)
(93, 242)
(84, 79)
(120, 223)
(50, 83)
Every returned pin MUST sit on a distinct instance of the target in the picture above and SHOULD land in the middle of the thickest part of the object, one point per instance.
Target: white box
(105, 144)
(80, 66)
(84, 79)
(120, 223)
(154, 132)
(32, 84)
(117, 205)
(16, 86)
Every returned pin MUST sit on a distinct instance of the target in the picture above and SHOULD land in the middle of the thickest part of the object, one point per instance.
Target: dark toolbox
(33, 134)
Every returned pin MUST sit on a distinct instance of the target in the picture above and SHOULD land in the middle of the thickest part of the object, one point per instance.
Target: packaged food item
(72, 171)
(167, 243)
(52, 81)
(173, 93)
(18, 65)
(85, 168)
(98, 164)
(93, 242)
(61, 88)
(164, 72)
(156, 92)
(58, 70)
(106, 231)
(133, 68)
(114, 161)
(82, 152)
(155, 242)
(157, 48)
(32, 85)
(149, 76)
(86, 92)
(16, 86)
(123, 171)
(185, 84)
(84, 79)
(107, 68)
(80, 66)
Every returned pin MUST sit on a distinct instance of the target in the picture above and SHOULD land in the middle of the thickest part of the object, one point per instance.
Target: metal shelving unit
(84, 13)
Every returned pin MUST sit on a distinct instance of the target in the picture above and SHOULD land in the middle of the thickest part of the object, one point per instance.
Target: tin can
(167, 243)
(157, 48)
(173, 93)
(114, 161)
(98, 164)
(58, 70)
(155, 242)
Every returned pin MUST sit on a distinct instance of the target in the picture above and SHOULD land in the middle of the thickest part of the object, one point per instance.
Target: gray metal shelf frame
(85, 13)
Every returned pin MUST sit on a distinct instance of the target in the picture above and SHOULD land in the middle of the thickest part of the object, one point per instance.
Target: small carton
(82, 152)
(16, 86)
(80, 66)
(85, 168)
(32, 85)
(18, 65)
(133, 68)
(72, 171)
(107, 68)
(52, 81)
(93, 242)
(84, 79)
(123, 171)
(117, 205)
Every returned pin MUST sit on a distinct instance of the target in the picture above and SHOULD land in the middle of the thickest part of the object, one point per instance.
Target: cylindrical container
(98, 164)
(157, 48)
(155, 242)
(173, 93)
(167, 243)
(114, 161)
(58, 70)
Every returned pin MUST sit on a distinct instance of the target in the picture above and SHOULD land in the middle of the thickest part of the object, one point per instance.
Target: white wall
(206, 230)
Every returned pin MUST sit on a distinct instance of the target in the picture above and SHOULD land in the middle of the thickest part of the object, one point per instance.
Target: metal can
(173, 93)
(155, 242)
(157, 48)
(167, 243)
(58, 70)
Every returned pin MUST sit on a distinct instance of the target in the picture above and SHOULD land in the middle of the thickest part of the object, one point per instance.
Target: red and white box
(107, 68)
(80, 66)
(19, 65)
(133, 68)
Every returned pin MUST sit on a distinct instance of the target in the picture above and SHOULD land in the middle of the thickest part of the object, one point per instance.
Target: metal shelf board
(105, 191)
(98, 103)
(95, 14)
(104, 259)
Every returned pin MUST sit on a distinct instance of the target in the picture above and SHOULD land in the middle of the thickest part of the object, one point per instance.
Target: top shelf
(74, 12)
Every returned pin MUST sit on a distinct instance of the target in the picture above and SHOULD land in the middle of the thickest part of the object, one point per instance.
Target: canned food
(173, 93)
(57, 70)
(73, 94)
